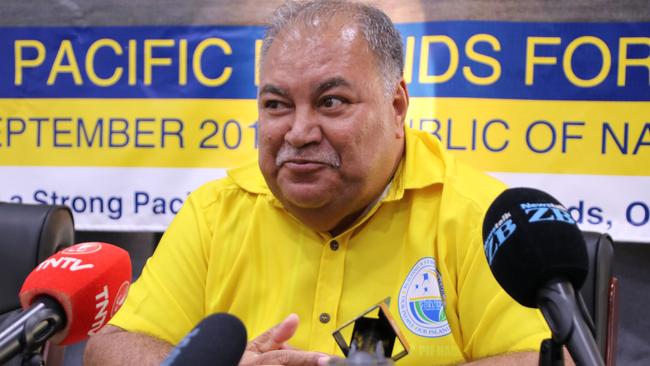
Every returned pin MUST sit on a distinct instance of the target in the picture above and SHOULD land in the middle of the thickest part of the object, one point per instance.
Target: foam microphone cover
(89, 280)
(530, 239)
(219, 339)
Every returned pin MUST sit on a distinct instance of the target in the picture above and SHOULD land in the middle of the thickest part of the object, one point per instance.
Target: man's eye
(273, 104)
(331, 102)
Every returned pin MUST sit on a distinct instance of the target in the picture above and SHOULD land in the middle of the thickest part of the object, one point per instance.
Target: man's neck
(351, 219)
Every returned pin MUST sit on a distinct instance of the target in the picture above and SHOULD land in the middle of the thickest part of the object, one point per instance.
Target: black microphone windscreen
(529, 239)
(219, 339)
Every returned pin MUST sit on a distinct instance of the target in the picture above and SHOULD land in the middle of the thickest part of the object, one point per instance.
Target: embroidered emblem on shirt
(422, 301)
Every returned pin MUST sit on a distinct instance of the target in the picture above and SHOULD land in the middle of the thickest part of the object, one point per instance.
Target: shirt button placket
(328, 293)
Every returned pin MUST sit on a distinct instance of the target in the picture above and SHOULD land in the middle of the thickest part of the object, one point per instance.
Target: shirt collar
(249, 178)
(422, 165)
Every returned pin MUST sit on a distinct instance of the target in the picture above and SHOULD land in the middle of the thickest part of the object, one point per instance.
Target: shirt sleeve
(492, 322)
(168, 299)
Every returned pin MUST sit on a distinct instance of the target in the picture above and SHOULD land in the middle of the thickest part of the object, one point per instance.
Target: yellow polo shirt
(234, 248)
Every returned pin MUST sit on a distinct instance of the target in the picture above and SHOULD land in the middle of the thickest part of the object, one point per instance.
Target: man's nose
(304, 130)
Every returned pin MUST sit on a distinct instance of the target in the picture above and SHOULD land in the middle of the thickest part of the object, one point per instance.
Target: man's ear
(400, 107)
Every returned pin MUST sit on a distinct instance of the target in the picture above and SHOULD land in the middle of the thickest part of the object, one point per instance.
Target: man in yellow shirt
(344, 208)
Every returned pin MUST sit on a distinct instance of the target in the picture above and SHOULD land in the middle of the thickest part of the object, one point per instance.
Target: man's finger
(285, 330)
(274, 338)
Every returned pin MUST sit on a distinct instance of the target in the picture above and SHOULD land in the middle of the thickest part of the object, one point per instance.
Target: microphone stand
(550, 353)
(564, 312)
(30, 331)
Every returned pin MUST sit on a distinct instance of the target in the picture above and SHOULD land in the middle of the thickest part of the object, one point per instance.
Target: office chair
(28, 235)
(600, 293)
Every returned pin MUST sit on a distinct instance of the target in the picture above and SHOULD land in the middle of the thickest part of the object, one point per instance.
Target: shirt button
(324, 318)
(334, 245)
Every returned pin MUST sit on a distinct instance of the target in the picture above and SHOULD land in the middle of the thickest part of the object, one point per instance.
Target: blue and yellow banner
(559, 106)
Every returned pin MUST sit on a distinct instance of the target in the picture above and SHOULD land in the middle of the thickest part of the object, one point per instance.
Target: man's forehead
(299, 37)
(325, 52)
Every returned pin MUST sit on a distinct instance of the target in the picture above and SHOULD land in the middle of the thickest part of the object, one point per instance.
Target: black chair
(600, 293)
(28, 235)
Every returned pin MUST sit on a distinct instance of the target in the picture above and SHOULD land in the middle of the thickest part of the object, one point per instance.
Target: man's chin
(305, 197)
(306, 203)
(311, 191)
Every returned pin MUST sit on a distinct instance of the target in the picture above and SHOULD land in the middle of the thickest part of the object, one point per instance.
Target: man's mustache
(310, 153)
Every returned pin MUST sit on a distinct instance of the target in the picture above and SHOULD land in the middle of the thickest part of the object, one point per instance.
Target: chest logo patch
(422, 301)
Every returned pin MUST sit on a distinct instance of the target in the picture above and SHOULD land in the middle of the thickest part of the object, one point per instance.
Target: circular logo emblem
(120, 297)
(83, 248)
(422, 301)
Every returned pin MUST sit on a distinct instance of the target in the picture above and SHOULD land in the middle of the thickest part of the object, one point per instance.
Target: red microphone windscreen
(89, 280)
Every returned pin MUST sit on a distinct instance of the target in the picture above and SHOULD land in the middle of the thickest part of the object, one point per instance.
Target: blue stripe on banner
(592, 43)
(506, 60)
(224, 47)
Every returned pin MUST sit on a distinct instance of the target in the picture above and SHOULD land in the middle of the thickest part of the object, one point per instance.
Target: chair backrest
(28, 235)
(599, 292)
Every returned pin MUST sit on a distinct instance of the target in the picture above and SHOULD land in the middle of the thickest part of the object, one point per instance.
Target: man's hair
(378, 30)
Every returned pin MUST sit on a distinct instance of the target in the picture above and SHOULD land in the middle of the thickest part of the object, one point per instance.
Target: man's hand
(269, 348)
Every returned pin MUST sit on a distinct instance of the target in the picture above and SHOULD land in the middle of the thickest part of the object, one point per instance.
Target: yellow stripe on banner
(522, 136)
(127, 133)
(531, 136)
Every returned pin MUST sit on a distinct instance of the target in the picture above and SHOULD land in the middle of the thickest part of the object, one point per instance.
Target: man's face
(329, 136)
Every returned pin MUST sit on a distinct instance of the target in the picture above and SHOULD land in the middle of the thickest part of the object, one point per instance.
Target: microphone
(69, 296)
(537, 254)
(219, 339)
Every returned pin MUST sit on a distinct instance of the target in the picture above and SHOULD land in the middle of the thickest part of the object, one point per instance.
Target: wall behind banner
(81, 13)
